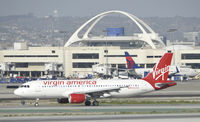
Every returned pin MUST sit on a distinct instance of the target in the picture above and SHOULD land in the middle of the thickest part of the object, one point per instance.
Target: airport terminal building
(81, 52)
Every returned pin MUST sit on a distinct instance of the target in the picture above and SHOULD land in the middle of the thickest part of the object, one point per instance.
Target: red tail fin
(158, 77)
(130, 62)
(161, 69)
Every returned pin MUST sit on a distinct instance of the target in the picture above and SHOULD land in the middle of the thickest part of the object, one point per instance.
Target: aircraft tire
(95, 103)
(87, 103)
(36, 104)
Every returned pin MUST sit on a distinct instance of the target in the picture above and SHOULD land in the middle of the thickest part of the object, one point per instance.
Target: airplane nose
(17, 92)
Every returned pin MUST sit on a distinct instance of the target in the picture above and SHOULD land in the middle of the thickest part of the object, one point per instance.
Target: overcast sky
(140, 8)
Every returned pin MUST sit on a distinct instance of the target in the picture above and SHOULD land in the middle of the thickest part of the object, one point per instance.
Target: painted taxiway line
(110, 118)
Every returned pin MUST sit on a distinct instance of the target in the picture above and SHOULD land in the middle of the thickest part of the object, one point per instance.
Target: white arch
(97, 18)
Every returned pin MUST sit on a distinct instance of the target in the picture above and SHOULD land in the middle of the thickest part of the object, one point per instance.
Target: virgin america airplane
(83, 91)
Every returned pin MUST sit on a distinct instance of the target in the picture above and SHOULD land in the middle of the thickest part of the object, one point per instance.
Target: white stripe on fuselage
(63, 88)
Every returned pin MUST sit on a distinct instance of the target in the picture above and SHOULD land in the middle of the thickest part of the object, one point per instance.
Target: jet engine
(76, 98)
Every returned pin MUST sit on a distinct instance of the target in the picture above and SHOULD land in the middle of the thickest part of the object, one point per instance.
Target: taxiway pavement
(109, 118)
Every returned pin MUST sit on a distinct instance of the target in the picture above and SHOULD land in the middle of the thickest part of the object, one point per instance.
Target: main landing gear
(94, 103)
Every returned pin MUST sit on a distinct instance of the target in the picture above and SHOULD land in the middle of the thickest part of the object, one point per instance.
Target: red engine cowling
(76, 98)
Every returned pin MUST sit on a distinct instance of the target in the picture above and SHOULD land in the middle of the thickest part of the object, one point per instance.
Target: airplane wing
(100, 92)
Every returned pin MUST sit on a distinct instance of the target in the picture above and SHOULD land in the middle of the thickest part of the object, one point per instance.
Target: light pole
(106, 51)
(172, 30)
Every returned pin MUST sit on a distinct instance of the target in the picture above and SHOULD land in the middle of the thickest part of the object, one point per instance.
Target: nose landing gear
(36, 104)
(23, 102)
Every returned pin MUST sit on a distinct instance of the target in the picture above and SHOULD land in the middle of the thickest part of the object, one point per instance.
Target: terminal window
(85, 56)
(113, 65)
(121, 66)
(157, 56)
(29, 56)
(83, 65)
(119, 55)
(21, 65)
(150, 65)
(149, 56)
(53, 51)
(142, 65)
(194, 65)
(190, 56)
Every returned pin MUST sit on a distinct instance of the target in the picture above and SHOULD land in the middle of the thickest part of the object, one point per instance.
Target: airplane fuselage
(63, 88)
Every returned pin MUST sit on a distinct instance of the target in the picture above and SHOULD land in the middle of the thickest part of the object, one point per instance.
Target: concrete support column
(68, 65)
(7, 73)
(60, 73)
(30, 74)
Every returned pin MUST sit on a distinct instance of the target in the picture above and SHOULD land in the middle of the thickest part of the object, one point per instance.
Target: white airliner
(186, 71)
(133, 68)
(79, 91)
